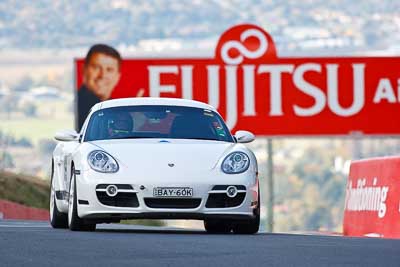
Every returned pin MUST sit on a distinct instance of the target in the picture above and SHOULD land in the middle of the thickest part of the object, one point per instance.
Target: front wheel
(250, 226)
(74, 222)
(57, 218)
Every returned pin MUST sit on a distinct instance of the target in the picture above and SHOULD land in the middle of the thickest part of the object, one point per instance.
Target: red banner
(256, 90)
(372, 206)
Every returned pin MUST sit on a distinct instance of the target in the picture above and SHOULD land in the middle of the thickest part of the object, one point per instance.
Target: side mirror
(244, 136)
(66, 135)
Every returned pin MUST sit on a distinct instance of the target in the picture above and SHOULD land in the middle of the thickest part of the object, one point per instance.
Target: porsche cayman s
(154, 158)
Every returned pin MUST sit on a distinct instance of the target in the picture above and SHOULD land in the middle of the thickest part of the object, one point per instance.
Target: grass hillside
(26, 190)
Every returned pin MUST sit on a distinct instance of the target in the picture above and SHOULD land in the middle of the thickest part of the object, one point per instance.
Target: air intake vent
(120, 200)
(172, 203)
(221, 200)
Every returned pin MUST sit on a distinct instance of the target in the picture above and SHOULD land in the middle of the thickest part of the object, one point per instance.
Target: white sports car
(154, 158)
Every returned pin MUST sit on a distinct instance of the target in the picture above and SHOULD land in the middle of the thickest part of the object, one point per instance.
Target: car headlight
(236, 162)
(102, 162)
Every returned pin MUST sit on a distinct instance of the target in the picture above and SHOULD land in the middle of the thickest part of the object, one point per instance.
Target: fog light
(111, 190)
(231, 191)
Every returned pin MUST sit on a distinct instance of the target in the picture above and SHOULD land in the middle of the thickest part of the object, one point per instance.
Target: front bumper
(90, 207)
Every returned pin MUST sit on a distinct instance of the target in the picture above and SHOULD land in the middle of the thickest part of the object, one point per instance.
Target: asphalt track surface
(25, 243)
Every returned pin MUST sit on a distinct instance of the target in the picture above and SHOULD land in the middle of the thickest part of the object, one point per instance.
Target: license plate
(173, 192)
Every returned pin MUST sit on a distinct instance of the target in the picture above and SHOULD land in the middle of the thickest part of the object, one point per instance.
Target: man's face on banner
(101, 75)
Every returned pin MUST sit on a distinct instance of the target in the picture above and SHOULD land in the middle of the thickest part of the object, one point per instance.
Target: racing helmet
(120, 123)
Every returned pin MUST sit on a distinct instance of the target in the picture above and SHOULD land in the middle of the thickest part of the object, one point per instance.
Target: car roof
(147, 101)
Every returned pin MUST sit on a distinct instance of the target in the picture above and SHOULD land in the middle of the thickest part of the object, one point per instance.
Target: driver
(120, 124)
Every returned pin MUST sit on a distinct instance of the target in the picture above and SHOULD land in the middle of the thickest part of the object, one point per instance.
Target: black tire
(217, 226)
(57, 219)
(250, 226)
(74, 222)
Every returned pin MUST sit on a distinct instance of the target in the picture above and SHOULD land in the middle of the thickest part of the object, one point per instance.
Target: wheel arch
(55, 175)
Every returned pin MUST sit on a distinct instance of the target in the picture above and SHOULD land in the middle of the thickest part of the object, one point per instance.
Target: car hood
(185, 154)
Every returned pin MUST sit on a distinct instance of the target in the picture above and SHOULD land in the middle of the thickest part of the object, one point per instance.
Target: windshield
(157, 122)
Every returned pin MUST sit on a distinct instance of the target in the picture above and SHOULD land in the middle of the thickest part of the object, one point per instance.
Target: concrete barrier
(11, 210)
(372, 205)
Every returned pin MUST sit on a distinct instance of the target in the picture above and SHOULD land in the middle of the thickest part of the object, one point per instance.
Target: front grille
(221, 200)
(172, 203)
(122, 199)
